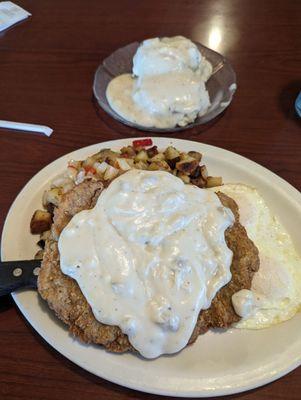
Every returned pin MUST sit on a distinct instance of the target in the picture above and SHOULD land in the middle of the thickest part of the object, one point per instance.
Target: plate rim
(295, 195)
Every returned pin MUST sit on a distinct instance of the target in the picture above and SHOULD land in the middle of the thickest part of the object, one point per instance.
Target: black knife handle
(18, 275)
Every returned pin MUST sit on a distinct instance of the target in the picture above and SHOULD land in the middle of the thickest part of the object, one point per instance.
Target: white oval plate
(220, 362)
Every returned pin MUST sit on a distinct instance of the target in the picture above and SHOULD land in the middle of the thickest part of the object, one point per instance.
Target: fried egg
(275, 294)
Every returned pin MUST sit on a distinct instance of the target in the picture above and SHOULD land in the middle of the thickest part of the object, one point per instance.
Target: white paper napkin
(10, 14)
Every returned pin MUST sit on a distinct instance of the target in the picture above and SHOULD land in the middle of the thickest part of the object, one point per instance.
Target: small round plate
(221, 361)
(221, 85)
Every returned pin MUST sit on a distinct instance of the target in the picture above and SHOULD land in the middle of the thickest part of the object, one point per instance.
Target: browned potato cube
(204, 171)
(122, 163)
(52, 196)
(138, 148)
(172, 163)
(200, 171)
(163, 166)
(141, 156)
(153, 167)
(40, 222)
(128, 150)
(50, 208)
(185, 178)
(157, 157)
(184, 156)
(75, 164)
(102, 154)
(45, 235)
(196, 173)
(89, 162)
(152, 151)
(111, 159)
(130, 162)
(187, 166)
(106, 155)
(196, 155)
(39, 255)
(141, 165)
(200, 182)
(111, 173)
(171, 152)
(213, 181)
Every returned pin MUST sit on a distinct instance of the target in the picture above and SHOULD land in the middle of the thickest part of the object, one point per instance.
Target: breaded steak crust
(64, 296)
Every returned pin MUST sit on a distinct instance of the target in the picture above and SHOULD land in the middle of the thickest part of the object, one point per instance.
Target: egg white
(276, 287)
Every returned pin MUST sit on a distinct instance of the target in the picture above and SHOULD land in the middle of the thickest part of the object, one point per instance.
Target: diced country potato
(41, 243)
(130, 162)
(89, 161)
(52, 196)
(213, 181)
(39, 255)
(71, 172)
(185, 178)
(152, 151)
(101, 155)
(80, 177)
(139, 148)
(204, 171)
(106, 155)
(110, 173)
(111, 159)
(122, 163)
(163, 166)
(187, 165)
(101, 167)
(153, 167)
(140, 165)
(50, 208)
(199, 171)
(129, 151)
(196, 155)
(200, 182)
(45, 235)
(172, 162)
(159, 166)
(75, 164)
(141, 156)
(171, 153)
(196, 173)
(157, 157)
(40, 222)
(186, 157)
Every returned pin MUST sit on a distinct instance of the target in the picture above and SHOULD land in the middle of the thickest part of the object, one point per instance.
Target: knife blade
(18, 275)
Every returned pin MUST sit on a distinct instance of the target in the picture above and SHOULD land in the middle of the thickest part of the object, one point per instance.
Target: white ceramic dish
(220, 362)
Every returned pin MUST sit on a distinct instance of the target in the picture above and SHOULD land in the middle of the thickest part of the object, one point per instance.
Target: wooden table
(46, 71)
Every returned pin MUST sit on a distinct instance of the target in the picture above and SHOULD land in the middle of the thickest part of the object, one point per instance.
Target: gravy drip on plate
(149, 256)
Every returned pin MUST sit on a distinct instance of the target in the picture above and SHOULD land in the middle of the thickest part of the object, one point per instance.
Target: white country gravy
(161, 101)
(149, 256)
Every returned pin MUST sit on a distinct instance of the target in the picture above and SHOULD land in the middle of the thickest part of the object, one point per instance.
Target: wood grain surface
(46, 72)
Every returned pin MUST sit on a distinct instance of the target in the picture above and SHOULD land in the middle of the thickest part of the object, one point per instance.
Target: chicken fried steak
(64, 296)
